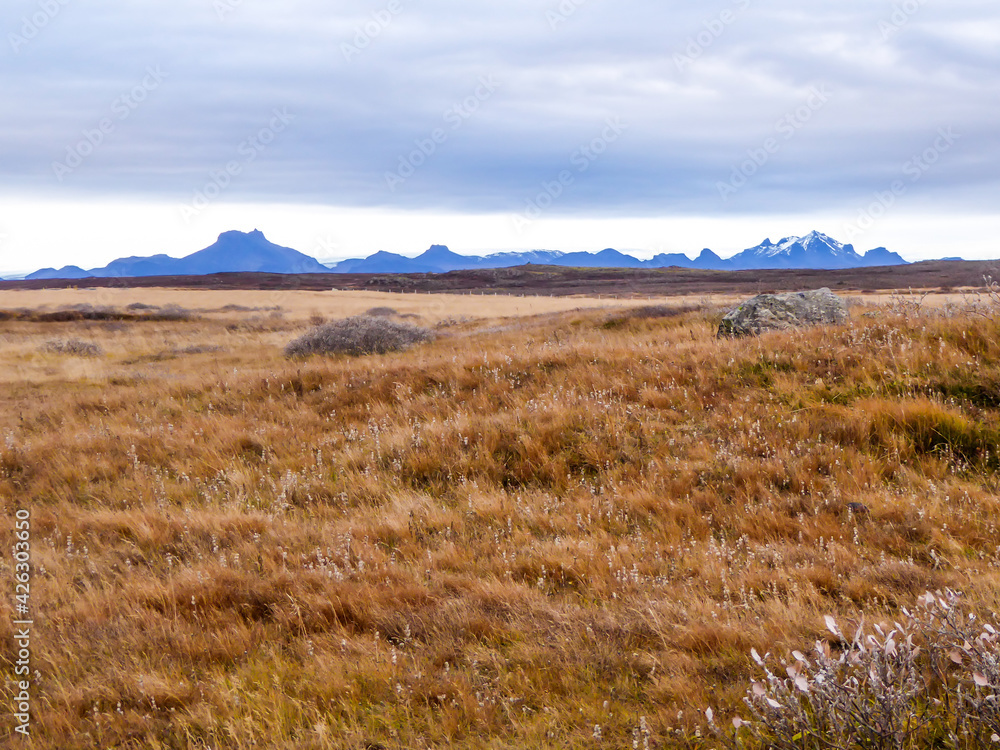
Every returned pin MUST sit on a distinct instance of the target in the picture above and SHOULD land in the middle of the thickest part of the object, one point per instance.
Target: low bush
(382, 312)
(931, 679)
(363, 334)
(73, 347)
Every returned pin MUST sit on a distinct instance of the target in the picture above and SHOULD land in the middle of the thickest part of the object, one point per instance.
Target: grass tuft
(360, 335)
(73, 347)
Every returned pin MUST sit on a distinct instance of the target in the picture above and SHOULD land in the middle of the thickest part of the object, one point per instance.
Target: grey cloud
(689, 124)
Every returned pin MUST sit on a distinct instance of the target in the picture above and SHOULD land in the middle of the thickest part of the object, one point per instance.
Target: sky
(341, 129)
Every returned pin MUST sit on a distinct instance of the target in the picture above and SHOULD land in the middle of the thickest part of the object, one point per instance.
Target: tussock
(363, 334)
(73, 347)
(382, 312)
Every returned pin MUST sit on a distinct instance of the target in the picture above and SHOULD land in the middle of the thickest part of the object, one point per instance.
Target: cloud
(699, 88)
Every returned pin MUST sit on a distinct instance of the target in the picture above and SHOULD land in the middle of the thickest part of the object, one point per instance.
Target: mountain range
(235, 252)
(250, 252)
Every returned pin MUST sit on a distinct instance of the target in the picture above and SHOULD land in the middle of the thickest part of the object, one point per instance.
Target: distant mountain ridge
(250, 252)
(235, 252)
(813, 251)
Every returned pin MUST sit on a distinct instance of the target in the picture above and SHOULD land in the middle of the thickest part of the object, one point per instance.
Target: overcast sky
(343, 128)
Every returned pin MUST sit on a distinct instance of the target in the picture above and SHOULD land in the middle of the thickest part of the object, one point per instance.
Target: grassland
(527, 529)
(299, 306)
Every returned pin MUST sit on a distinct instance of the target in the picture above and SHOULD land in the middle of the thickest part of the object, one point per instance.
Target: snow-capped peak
(814, 242)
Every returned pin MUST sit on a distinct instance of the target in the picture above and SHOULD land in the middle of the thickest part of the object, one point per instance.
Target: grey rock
(777, 312)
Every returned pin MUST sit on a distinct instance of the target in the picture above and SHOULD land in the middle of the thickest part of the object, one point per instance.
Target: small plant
(382, 312)
(987, 303)
(170, 312)
(363, 334)
(930, 680)
(663, 311)
(73, 347)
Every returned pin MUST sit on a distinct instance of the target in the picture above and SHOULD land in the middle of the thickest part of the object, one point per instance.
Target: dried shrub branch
(930, 679)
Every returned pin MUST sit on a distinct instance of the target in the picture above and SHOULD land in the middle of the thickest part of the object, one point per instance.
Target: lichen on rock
(776, 312)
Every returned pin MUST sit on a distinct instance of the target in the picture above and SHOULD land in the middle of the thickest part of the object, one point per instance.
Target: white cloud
(688, 124)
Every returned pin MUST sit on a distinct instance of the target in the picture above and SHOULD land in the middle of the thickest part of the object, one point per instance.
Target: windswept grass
(550, 533)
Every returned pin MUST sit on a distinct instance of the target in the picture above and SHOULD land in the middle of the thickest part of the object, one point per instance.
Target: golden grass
(501, 539)
(301, 305)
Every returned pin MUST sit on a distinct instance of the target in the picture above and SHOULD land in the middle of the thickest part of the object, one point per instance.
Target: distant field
(563, 523)
(301, 305)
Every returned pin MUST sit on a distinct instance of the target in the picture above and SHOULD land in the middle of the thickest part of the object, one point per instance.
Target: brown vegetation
(565, 532)
(561, 281)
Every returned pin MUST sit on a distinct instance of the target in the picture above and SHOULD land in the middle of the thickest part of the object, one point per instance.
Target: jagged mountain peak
(251, 252)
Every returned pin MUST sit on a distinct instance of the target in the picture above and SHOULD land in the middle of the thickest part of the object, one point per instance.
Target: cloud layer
(480, 107)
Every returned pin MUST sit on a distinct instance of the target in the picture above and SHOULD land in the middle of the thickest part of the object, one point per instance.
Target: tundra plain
(564, 523)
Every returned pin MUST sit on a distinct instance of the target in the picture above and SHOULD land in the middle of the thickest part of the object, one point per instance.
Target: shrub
(382, 312)
(171, 312)
(931, 680)
(663, 311)
(73, 347)
(363, 334)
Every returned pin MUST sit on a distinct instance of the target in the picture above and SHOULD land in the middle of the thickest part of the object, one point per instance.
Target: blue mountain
(383, 262)
(441, 258)
(706, 261)
(252, 252)
(882, 257)
(815, 250)
(66, 272)
(233, 252)
(511, 259)
(665, 260)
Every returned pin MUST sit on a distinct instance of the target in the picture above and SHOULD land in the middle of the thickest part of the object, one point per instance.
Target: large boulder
(777, 312)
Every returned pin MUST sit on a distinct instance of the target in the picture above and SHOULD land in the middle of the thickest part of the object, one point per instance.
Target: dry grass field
(551, 527)
(301, 305)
